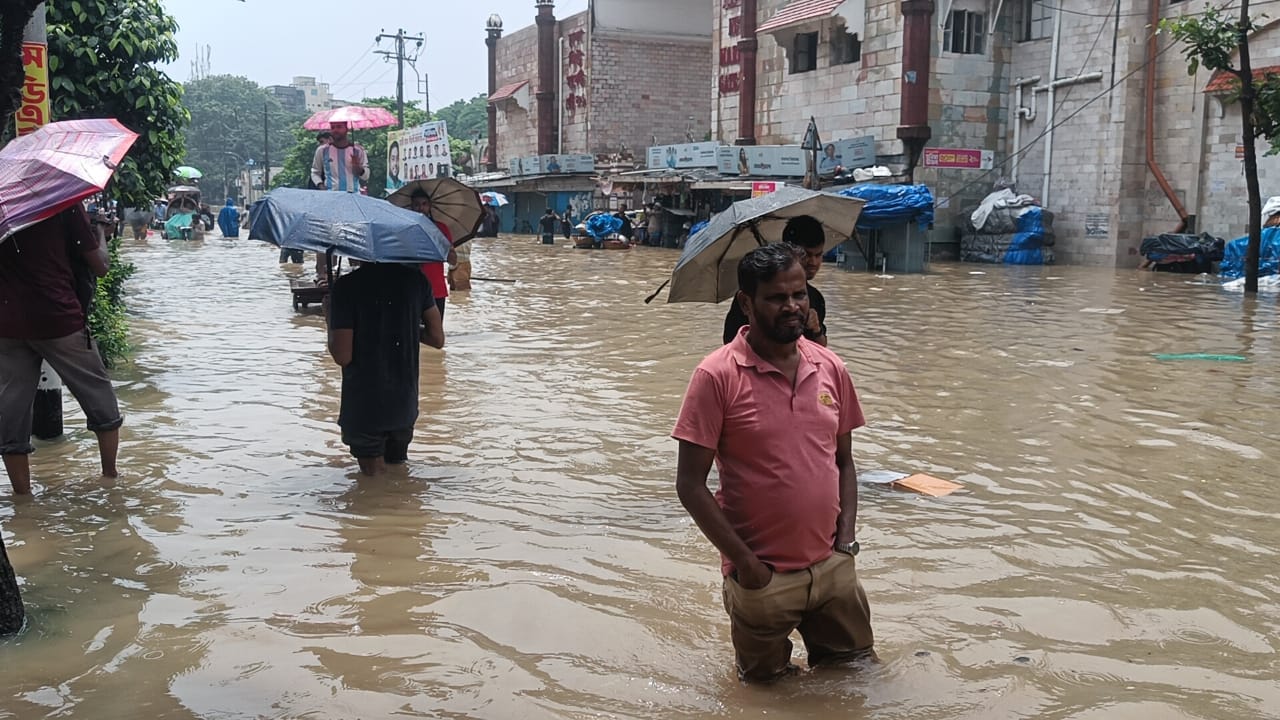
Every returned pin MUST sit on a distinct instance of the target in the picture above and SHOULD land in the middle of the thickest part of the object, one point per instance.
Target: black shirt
(737, 318)
(548, 223)
(383, 305)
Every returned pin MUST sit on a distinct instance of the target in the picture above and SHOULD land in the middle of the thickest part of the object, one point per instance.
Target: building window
(846, 48)
(1037, 21)
(804, 53)
(313, 91)
(965, 33)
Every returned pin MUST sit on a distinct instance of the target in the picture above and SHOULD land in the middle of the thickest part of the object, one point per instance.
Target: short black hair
(326, 135)
(804, 231)
(764, 263)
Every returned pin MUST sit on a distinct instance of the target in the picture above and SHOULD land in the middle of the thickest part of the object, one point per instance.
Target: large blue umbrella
(346, 224)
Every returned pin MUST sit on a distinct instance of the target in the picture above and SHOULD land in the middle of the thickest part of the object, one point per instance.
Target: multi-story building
(292, 99)
(316, 93)
(1050, 96)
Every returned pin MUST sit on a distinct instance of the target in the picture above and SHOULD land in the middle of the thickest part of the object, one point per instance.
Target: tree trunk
(1247, 95)
(13, 18)
(11, 611)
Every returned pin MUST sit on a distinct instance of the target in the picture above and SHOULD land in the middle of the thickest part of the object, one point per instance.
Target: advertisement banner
(418, 153)
(680, 157)
(34, 110)
(764, 188)
(551, 165)
(959, 159)
(761, 160)
(850, 154)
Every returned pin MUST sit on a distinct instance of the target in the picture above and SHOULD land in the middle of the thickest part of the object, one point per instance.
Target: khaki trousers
(825, 602)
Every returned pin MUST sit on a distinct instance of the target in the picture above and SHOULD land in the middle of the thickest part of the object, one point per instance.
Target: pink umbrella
(357, 117)
(60, 164)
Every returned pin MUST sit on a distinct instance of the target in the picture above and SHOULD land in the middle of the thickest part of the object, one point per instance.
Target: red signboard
(957, 158)
(34, 111)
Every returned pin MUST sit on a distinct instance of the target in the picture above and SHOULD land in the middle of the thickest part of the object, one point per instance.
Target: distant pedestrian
(654, 221)
(229, 219)
(435, 271)
(547, 223)
(47, 281)
(139, 220)
(566, 225)
(338, 166)
(378, 315)
(775, 413)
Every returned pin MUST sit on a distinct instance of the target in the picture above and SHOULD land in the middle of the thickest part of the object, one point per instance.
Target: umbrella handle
(328, 261)
(655, 292)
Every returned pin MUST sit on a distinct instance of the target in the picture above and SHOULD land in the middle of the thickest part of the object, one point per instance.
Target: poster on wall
(959, 159)
(761, 160)
(850, 154)
(681, 157)
(418, 153)
(551, 165)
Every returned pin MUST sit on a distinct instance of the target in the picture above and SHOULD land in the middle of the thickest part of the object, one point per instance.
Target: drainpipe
(546, 94)
(914, 131)
(1051, 111)
(1153, 18)
(494, 30)
(560, 99)
(1021, 115)
(748, 48)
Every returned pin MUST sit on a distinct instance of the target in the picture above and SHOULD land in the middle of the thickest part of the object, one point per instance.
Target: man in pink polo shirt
(775, 412)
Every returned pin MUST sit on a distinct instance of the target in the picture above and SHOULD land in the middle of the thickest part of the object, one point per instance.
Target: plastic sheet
(602, 225)
(892, 205)
(1269, 259)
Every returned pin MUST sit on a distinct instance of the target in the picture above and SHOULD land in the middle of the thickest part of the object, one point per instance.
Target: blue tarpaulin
(602, 225)
(892, 204)
(1268, 258)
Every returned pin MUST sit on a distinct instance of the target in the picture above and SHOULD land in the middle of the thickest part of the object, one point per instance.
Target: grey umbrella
(708, 267)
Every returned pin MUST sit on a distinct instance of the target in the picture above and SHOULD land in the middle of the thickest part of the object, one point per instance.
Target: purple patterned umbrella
(60, 164)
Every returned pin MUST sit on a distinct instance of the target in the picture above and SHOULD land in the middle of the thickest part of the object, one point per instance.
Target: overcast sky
(270, 41)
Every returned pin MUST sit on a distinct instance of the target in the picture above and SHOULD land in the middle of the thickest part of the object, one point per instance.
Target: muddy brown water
(1114, 554)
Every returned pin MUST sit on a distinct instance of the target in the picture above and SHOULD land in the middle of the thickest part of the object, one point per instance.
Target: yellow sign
(34, 111)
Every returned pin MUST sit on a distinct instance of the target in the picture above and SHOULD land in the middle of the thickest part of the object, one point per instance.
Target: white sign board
(761, 160)
(680, 157)
(418, 153)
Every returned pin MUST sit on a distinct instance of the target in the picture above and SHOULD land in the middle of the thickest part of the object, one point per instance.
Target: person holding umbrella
(805, 232)
(47, 280)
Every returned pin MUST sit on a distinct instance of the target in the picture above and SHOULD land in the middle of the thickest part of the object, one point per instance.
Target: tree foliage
(103, 57)
(229, 128)
(467, 119)
(1211, 40)
(14, 15)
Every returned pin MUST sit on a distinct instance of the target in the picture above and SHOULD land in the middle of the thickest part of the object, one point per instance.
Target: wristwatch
(850, 548)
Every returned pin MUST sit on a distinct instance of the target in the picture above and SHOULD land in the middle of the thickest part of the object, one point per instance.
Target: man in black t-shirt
(379, 313)
(807, 233)
(547, 224)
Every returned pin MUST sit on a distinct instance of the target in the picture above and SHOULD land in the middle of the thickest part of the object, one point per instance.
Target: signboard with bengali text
(682, 157)
(34, 110)
(418, 153)
(761, 160)
(959, 159)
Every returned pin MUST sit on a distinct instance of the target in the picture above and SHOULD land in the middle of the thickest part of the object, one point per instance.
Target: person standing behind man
(339, 166)
(807, 233)
(775, 412)
(547, 224)
(420, 201)
(46, 283)
(378, 315)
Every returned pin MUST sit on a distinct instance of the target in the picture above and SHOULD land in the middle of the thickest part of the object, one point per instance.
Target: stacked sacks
(1181, 253)
(1009, 229)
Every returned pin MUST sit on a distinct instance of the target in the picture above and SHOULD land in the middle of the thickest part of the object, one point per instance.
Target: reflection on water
(1114, 556)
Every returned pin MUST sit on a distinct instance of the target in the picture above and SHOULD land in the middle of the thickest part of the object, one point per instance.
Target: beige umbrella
(454, 206)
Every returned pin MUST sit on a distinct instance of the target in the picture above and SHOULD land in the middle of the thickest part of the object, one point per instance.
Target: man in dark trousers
(47, 276)
(379, 313)
(805, 232)
(775, 413)
(547, 224)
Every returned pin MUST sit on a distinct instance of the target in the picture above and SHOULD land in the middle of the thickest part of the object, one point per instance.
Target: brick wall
(518, 126)
(642, 87)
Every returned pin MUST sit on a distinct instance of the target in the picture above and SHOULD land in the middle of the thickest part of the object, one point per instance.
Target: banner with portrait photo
(418, 153)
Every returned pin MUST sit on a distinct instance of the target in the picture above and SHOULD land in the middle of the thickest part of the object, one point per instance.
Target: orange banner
(34, 111)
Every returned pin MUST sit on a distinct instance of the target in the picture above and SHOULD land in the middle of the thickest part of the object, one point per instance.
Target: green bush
(107, 322)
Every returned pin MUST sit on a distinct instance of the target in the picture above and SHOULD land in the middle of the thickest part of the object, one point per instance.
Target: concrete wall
(518, 126)
(660, 17)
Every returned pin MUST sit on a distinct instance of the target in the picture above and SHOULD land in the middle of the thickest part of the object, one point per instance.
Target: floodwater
(1114, 554)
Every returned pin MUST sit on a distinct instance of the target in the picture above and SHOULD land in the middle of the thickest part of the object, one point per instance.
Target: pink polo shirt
(775, 446)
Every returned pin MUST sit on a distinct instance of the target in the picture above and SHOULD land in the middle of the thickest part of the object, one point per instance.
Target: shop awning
(733, 185)
(518, 92)
(797, 15)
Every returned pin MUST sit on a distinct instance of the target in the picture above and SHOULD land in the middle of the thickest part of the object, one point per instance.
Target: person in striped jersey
(338, 166)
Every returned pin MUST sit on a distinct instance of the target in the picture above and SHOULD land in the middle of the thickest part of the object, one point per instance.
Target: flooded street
(1115, 553)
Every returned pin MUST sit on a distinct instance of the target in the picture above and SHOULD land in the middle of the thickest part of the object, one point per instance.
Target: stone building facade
(1089, 84)
(628, 71)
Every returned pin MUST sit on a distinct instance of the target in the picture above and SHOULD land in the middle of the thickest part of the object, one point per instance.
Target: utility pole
(266, 150)
(399, 54)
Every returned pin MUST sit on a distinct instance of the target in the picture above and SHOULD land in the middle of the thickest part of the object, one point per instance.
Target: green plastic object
(1201, 356)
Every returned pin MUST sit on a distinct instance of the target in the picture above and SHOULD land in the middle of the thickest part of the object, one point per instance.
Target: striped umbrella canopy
(60, 164)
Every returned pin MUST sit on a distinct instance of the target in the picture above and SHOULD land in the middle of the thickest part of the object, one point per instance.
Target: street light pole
(266, 149)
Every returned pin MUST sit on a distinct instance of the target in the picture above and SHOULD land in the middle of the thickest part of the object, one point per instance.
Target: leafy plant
(107, 322)
(103, 57)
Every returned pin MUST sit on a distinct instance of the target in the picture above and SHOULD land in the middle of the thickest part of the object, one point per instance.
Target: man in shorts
(775, 412)
(46, 280)
(379, 313)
